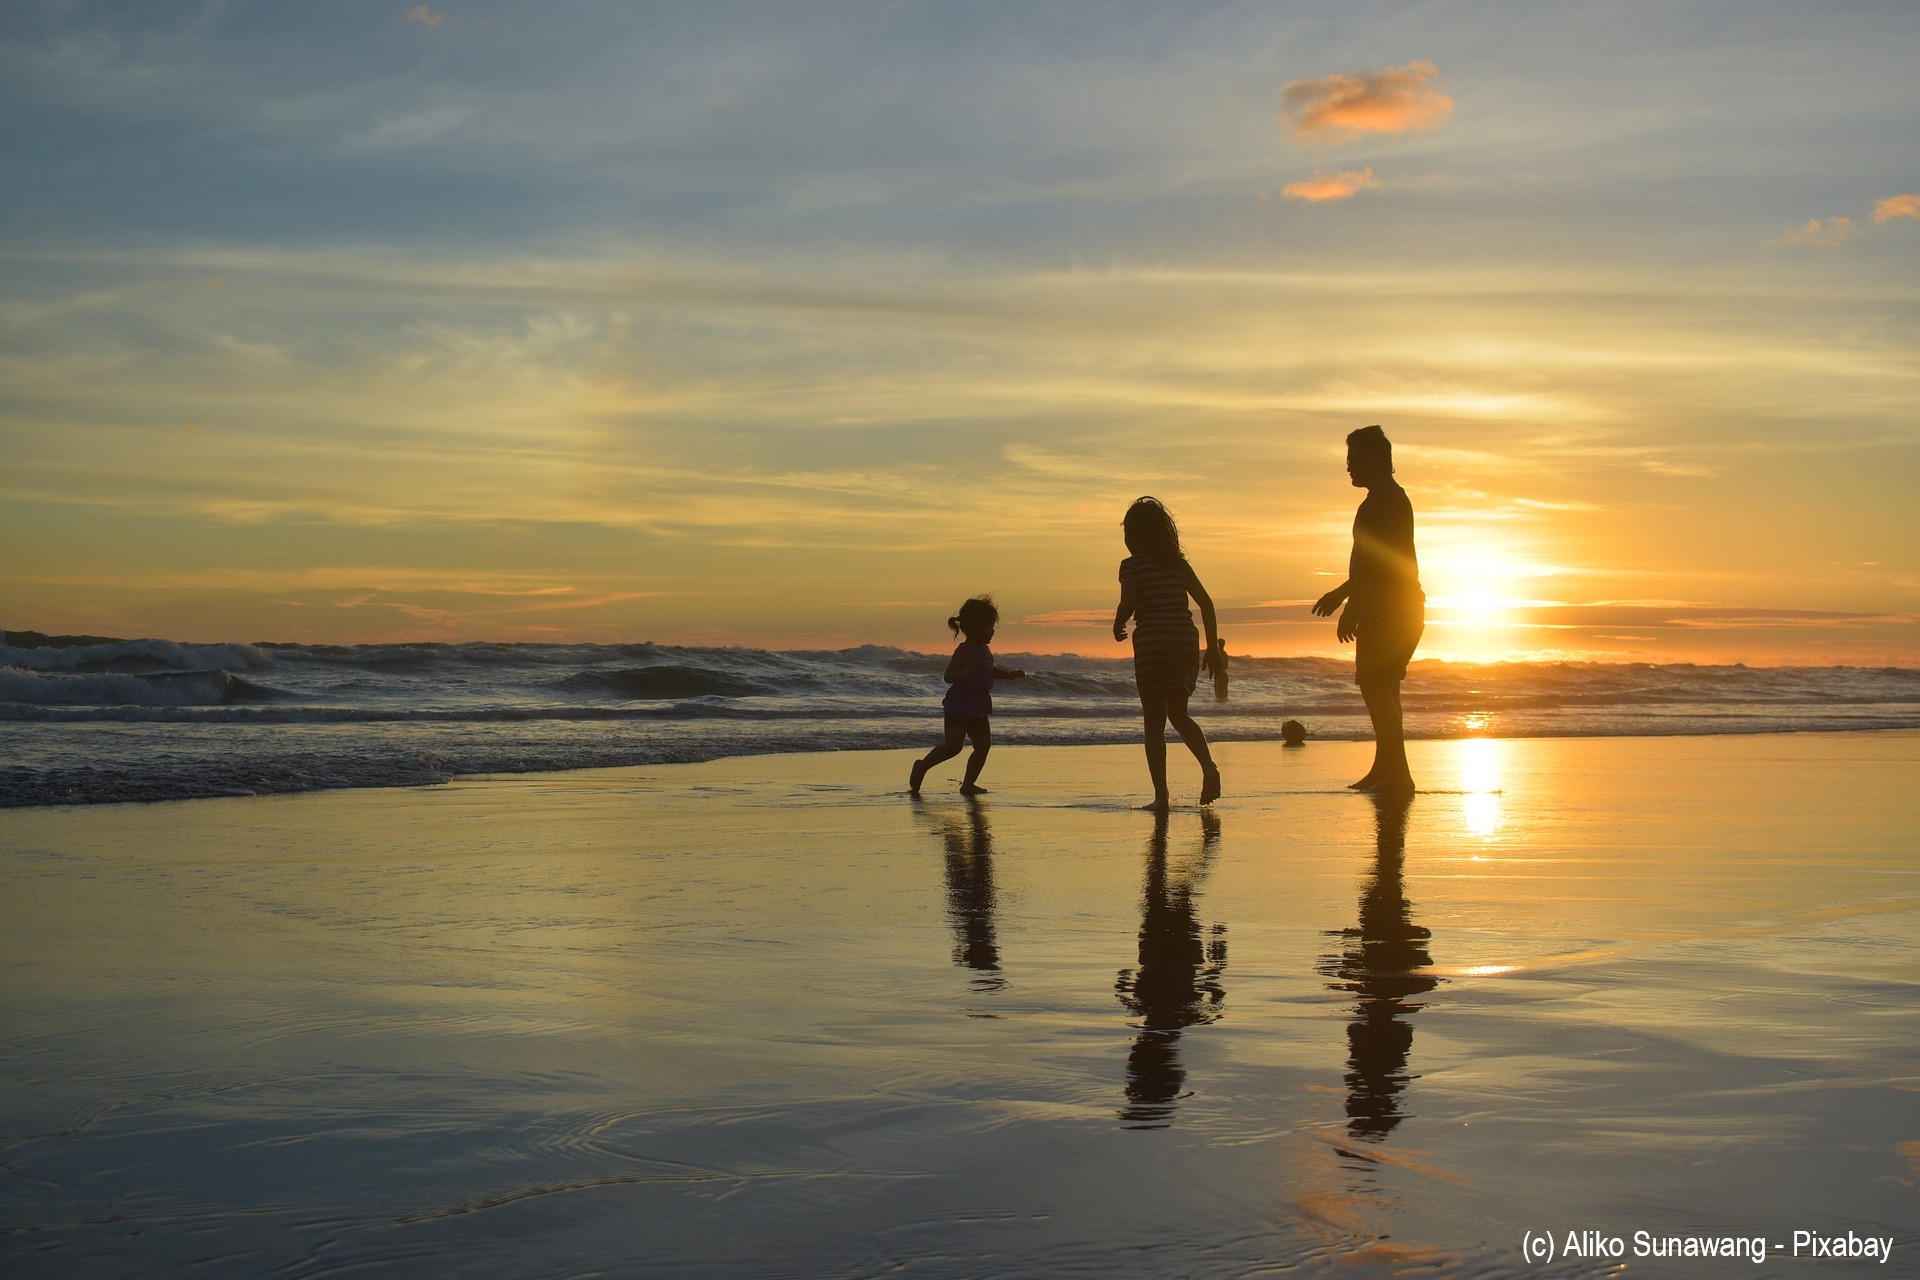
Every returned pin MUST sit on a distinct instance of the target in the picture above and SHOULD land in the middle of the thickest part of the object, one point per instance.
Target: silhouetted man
(1385, 608)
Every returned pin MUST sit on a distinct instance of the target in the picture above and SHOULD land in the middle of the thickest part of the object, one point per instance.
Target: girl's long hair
(1150, 531)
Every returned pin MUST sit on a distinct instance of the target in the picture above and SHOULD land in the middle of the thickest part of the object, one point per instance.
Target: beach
(766, 1016)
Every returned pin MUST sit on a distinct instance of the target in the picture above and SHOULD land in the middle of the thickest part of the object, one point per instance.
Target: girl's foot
(1161, 804)
(972, 789)
(1209, 786)
(919, 775)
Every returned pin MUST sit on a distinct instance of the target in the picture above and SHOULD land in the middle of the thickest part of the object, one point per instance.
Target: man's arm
(1326, 604)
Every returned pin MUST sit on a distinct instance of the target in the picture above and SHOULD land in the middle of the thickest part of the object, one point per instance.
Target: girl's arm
(1207, 618)
(956, 665)
(1124, 610)
(1008, 673)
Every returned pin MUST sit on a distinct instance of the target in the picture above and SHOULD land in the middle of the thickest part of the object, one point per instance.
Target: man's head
(1369, 457)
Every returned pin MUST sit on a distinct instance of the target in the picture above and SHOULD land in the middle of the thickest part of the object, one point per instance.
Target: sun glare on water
(1480, 780)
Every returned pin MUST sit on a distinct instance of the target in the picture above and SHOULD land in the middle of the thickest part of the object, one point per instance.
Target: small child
(969, 701)
(1293, 733)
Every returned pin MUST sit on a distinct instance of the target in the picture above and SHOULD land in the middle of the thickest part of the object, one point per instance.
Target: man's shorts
(1383, 644)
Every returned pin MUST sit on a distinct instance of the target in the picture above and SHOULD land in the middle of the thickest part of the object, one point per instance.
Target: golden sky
(795, 325)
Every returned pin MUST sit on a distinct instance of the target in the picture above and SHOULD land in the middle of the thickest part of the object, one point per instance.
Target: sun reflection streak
(1480, 779)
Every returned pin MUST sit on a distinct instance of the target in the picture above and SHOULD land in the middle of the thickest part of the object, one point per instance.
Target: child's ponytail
(977, 611)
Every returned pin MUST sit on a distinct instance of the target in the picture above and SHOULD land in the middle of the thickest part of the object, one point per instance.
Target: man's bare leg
(1390, 774)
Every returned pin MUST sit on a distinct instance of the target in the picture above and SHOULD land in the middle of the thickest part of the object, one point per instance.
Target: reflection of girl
(969, 700)
(1177, 983)
(1155, 581)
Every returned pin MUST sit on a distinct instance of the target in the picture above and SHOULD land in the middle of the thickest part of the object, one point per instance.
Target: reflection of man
(1178, 982)
(971, 898)
(1385, 608)
(1382, 963)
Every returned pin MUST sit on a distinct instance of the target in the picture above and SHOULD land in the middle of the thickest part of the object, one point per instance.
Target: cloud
(420, 15)
(1322, 187)
(1906, 205)
(1342, 107)
(1828, 234)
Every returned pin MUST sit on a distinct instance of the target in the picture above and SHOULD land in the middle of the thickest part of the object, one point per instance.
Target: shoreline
(1001, 744)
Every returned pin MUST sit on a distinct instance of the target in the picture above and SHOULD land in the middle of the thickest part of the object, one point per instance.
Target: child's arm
(1008, 673)
(956, 665)
(1207, 617)
(1326, 604)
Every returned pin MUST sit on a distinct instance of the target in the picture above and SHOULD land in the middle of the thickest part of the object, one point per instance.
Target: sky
(794, 324)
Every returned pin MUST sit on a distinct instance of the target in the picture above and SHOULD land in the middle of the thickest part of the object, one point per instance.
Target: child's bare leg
(982, 743)
(947, 750)
(1196, 739)
(1153, 710)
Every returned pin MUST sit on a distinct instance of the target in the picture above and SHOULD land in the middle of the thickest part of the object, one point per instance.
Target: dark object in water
(1293, 733)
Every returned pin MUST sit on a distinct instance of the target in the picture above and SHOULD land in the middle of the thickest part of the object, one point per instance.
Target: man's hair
(1372, 442)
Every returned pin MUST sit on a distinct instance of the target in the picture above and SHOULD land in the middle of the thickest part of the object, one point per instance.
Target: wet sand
(768, 1017)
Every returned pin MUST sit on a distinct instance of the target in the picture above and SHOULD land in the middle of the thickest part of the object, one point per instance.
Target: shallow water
(100, 722)
(770, 1018)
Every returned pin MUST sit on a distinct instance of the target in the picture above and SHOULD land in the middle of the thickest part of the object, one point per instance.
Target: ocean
(90, 720)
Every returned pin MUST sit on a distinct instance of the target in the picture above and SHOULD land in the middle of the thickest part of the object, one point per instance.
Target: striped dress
(1166, 645)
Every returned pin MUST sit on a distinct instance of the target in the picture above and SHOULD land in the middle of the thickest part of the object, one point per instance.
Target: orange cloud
(1322, 187)
(1341, 107)
(1900, 206)
(426, 17)
(1830, 234)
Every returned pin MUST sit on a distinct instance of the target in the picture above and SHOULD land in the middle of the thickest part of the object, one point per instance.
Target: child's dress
(1166, 644)
(971, 696)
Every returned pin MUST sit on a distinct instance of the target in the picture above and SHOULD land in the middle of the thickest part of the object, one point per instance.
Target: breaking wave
(93, 718)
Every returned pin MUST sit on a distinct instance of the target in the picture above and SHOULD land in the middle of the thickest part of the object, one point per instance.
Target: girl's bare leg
(1196, 739)
(1153, 710)
(982, 743)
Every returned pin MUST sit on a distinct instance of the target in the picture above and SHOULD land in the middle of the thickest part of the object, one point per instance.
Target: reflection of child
(969, 701)
(1293, 733)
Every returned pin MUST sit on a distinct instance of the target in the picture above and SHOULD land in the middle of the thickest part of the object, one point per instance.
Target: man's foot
(1367, 783)
(972, 789)
(1209, 786)
(919, 776)
(1393, 787)
(1161, 804)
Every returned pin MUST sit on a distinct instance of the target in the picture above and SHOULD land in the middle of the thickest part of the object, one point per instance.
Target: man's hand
(1326, 604)
(1344, 628)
